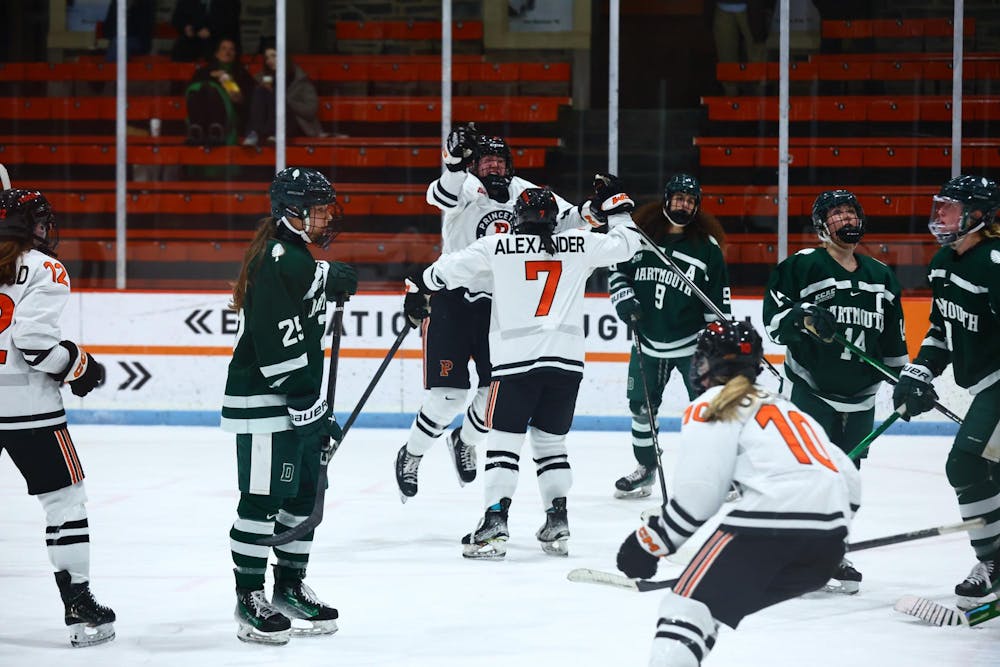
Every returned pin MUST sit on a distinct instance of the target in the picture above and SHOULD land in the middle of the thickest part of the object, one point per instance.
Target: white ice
(162, 500)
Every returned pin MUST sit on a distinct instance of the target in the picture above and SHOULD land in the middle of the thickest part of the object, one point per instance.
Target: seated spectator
(301, 101)
(200, 24)
(140, 16)
(218, 97)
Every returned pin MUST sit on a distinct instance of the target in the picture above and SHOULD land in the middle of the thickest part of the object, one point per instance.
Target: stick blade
(583, 575)
(4, 178)
(929, 611)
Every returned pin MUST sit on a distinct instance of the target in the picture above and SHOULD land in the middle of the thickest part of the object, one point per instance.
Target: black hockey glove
(814, 320)
(416, 303)
(640, 553)
(626, 305)
(312, 417)
(83, 373)
(341, 279)
(914, 390)
(609, 197)
(459, 147)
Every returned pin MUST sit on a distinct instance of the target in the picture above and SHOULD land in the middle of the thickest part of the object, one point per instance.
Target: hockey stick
(584, 575)
(316, 515)
(938, 614)
(879, 430)
(4, 178)
(665, 258)
(649, 411)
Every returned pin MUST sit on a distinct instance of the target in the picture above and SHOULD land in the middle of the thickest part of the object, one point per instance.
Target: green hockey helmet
(964, 204)
(294, 191)
(681, 183)
(831, 199)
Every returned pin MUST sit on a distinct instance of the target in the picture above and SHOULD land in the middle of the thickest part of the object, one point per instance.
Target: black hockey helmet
(829, 200)
(725, 349)
(535, 211)
(294, 191)
(963, 205)
(497, 185)
(27, 214)
(681, 183)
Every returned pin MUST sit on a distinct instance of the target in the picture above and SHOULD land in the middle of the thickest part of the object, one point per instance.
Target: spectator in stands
(217, 98)
(201, 24)
(140, 17)
(301, 100)
(732, 21)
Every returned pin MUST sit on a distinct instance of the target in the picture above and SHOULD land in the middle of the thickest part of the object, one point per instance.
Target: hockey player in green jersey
(275, 403)
(650, 297)
(965, 332)
(819, 292)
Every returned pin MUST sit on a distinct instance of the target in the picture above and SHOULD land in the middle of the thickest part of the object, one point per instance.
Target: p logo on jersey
(446, 367)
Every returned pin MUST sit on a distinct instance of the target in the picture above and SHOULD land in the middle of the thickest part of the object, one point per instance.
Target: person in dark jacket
(200, 25)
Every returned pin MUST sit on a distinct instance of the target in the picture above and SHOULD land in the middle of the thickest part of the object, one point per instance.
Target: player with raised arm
(965, 332)
(275, 403)
(476, 193)
(34, 361)
(821, 292)
(782, 538)
(536, 346)
(663, 311)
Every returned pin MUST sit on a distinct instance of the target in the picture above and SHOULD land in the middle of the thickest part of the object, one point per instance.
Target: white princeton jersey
(470, 214)
(792, 478)
(29, 343)
(537, 313)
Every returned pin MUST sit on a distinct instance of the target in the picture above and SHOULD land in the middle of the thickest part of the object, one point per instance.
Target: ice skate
(259, 622)
(407, 465)
(90, 623)
(295, 600)
(554, 534)
(636, 484)
(845, 579)
(980, 586)
(490, 539)
(463, 456)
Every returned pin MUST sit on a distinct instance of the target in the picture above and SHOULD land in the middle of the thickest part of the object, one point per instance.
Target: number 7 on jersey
(552, 268)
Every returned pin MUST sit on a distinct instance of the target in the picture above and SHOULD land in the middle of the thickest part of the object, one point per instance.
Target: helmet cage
(826, 202)
(681, 183)
(25, 213)
(954, 208)
(497, 185)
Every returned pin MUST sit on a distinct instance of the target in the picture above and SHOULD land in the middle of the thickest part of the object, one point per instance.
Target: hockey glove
(641, 551)
(626, 305)
(460, 147)
(312, 417)
(83, 373)
(416, 303)
(341, 279)
(609, 197)
(914, 390)
(814, 320)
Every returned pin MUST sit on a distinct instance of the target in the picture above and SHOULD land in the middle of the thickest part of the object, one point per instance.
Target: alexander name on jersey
(524, 244)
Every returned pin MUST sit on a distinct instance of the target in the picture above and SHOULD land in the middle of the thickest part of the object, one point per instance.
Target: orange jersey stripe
(696, 571)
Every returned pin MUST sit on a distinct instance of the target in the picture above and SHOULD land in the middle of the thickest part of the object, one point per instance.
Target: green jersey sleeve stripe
(285, 367)
(259, 401)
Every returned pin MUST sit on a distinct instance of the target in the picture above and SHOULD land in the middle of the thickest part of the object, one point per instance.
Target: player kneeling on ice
(275, 405)
(783, 538)
(536, 345)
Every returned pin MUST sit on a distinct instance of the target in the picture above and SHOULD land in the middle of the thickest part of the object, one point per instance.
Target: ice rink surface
(162, 500)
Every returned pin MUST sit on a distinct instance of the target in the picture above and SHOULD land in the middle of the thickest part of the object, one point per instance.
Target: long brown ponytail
(10, 251)
(265, 232)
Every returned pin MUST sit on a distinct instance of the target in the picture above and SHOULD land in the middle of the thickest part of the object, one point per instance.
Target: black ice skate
(555, 533)
(464, 457)
(845, 579)
(298, 602)
(89, 623)
(980, 586)
(490, 539)
(259, 622)
(636, 484)
(407, 465)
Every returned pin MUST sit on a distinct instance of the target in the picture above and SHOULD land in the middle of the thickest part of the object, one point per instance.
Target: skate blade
(82, 635)
(842, 587)
(555, 548)
(251, 635)
(492, 550)
(641, 492)
(966, 603)
(403, 497)
(313, 628)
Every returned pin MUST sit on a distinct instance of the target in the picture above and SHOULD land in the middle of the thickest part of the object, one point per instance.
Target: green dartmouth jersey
(672, 316)
(866, 303)
(965, 315)
(278, 350)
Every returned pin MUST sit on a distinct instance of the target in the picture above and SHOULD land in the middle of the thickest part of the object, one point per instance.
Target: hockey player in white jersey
(34, 361)
(536, 346)
(783, 538)
(476, 193)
